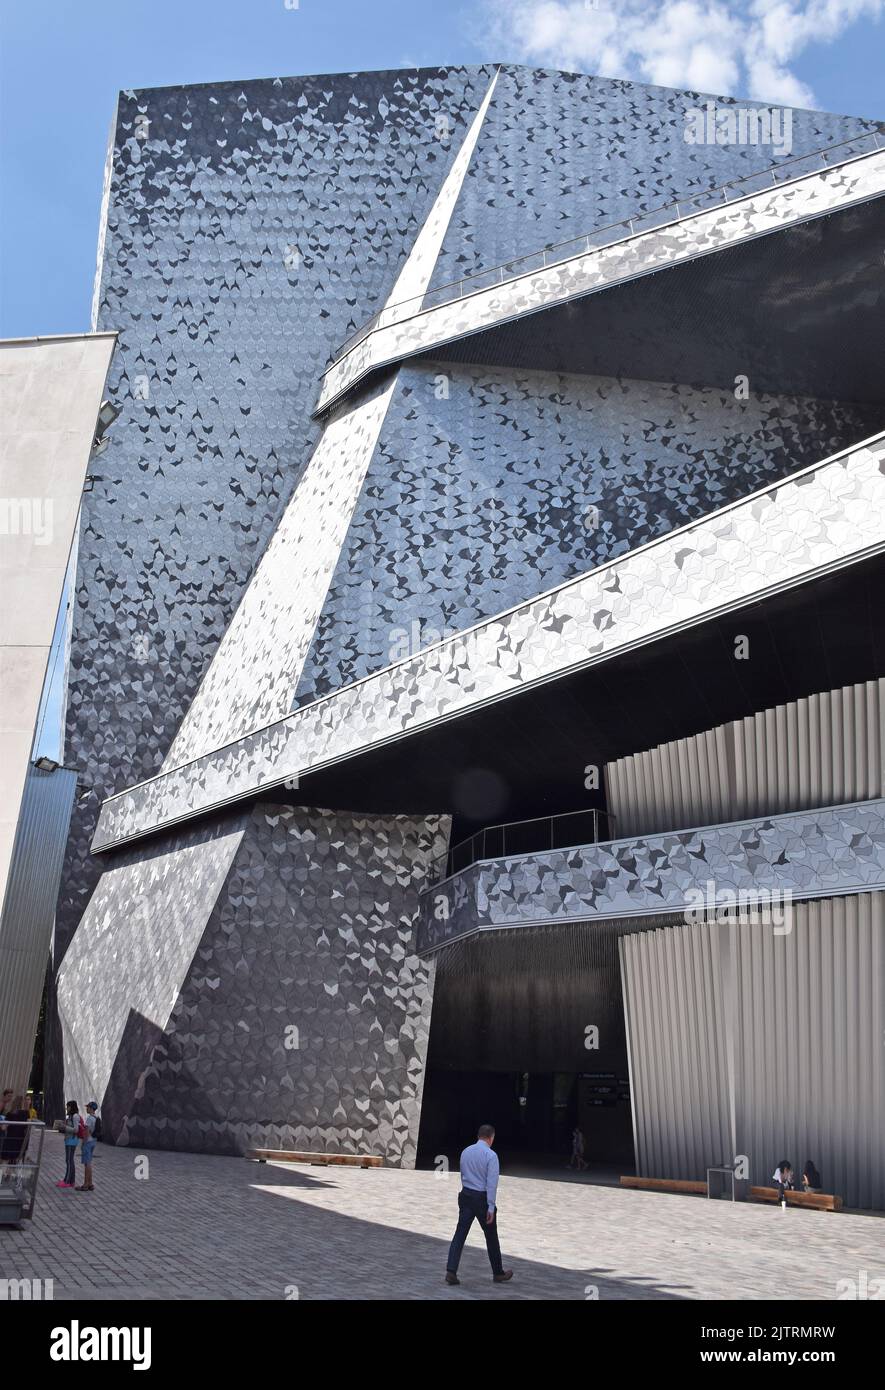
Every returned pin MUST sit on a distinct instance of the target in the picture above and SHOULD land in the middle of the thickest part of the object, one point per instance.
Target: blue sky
(62, 64)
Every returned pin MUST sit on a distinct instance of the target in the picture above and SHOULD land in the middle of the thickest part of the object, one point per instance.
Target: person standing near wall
(87, 1148)
(71, 1128)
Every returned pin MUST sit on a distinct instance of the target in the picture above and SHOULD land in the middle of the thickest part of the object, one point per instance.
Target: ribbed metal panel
(742, 1041)
(29, 913)
(672, 981)
(823, 750)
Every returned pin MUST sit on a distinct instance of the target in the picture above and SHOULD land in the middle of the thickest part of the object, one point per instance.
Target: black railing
(570, 828)
(662, 216)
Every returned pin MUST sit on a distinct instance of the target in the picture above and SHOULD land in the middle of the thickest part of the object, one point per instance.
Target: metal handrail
(454, 289)
(476, 847)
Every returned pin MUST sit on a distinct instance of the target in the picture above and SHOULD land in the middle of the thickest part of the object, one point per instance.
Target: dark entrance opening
(527, 1033)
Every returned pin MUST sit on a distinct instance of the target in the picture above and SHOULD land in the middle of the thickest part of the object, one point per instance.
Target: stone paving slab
(200, 1227)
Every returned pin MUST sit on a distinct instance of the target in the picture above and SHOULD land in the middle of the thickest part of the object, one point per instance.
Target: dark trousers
(70, 1171)
(473, 1206)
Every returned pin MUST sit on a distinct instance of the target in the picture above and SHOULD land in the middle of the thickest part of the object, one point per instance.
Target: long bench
(324, 1160)
(816, 1201)
(665, 1185)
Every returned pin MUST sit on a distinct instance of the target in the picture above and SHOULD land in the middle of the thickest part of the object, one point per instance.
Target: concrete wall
(50, 392)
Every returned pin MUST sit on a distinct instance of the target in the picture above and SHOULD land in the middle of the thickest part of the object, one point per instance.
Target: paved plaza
(194, 1226)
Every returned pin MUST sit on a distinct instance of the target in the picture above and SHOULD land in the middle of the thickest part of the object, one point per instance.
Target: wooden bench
(817, 1201)
(324, 1160)
(681, 1185)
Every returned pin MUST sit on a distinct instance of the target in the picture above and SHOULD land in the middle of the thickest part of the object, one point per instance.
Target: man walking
(476, 1202)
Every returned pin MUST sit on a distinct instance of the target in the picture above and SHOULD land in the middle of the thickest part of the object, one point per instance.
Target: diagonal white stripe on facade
(811, 524)
(255, 671)
(405, 330)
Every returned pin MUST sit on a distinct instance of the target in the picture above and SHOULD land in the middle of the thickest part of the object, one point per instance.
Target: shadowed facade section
(260, 986)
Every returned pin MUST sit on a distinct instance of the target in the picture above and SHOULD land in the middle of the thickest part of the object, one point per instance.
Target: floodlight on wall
(45, 764)
(107, 414)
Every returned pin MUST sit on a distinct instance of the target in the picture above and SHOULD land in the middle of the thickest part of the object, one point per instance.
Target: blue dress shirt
(480, 1170)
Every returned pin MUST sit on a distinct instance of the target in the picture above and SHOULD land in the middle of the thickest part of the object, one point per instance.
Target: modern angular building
(478, 651)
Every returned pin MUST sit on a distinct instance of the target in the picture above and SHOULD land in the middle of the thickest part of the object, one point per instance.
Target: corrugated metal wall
(29, 913)
(742, 1041)
(673, 1004)
(820, 751)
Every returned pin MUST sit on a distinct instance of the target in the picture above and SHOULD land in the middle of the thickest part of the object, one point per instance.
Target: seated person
(811, 1178)
(782, 1177)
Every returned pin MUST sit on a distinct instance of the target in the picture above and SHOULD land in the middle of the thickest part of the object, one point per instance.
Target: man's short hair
(486, 1132)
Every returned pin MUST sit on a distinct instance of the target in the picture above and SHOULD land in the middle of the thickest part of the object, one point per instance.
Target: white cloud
(723, 47)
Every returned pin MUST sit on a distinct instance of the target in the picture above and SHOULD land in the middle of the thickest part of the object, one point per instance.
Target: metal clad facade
(676, 1050)
(782, 1032)
(823, 750)
(29, 914)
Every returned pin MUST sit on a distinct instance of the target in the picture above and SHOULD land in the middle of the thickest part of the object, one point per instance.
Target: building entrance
(527, 1034)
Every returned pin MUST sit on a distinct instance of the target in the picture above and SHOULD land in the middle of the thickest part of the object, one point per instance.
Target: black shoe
(452, 1278)
(503, 1276)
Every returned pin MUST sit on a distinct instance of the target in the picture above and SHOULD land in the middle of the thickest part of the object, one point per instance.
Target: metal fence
(534, 836)
(665, 215)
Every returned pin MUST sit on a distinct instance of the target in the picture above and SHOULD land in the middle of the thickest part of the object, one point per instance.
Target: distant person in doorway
(476, 1202)
(71, 1127)
(811, 1178)
(782, 1177)
(87, 1148)
(577, 1159)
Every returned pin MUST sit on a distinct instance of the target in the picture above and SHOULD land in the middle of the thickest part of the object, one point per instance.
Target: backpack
(82, 1131)
(96, 1130)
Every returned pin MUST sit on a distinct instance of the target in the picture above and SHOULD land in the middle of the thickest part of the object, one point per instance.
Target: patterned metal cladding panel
(488, 487)
(237, 217)
(257, 666)
(800, 855)
(292, 1010)
(700, 234)
(820, 519)
(249, 227)
(130, 957)
(563, 152)
(260, 657)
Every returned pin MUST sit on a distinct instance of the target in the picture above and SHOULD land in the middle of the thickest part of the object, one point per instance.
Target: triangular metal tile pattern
(258, 664)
